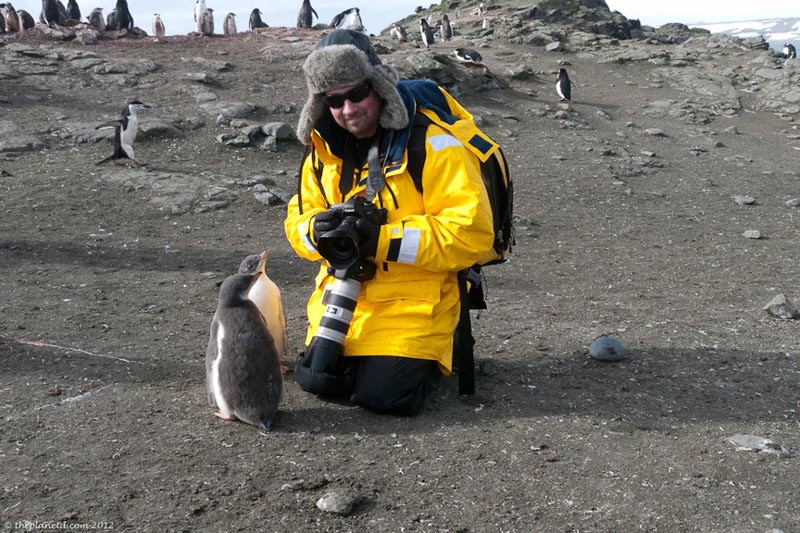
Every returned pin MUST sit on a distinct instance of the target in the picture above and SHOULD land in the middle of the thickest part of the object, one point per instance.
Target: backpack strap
(317, 166)
(416, 149)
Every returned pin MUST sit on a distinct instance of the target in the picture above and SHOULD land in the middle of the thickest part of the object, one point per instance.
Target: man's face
(360, 117)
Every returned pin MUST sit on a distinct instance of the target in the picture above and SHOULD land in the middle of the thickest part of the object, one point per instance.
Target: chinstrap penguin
(789, 51)
(207, 26)
(243, 373)
(51, 16)
(26, 21)
(467, 55)
(426, 33)
(564, 85)
(124, 18)
(349, 19)
(73, 11)
(305, 18)
(126, 127)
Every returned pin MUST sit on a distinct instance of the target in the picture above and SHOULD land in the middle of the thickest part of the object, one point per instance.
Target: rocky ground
(632, 205)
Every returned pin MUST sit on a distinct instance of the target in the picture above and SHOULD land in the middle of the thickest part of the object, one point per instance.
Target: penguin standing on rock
(199, 9)
(158, 26)
(73, 11)
(97, 20)
(111, 20)
(50, 14)
(11, 18)
(124, 18)
(26, 21)
(255, 20)
(229, 25)
(426, 32)
(126, 127)
(207, 27)
(400, 33)
(467, 55)
(447, 29)
(243, 374)
(789, 51)
(564, 85)
(305, 18)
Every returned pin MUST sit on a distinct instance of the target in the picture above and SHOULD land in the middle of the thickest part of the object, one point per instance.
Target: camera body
(341, 245)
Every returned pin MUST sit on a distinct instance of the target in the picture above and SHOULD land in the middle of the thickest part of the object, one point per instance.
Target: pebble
(752, 234)
(655, 132)
(755, 443)
(781, 307)
(607, 348)
(341, 502)
(744, 200)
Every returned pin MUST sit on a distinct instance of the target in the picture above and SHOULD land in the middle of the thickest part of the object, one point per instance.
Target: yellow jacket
(411, 307)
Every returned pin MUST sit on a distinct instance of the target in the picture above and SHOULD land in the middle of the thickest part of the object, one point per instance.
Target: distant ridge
(776, 31)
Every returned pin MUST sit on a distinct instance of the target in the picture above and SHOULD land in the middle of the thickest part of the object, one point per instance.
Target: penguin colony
(243, 372)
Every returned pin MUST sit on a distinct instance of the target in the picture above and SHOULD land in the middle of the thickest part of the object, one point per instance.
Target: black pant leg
(394, 385)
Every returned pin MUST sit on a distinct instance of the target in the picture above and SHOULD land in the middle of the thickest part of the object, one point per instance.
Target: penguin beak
(262, 263)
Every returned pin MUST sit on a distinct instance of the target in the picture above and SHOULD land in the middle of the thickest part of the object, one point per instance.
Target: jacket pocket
(406, 297)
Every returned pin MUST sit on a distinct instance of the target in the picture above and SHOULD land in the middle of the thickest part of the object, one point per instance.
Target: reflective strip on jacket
(411, 307)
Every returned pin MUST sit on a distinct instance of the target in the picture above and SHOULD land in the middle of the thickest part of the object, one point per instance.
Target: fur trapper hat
(342, 58)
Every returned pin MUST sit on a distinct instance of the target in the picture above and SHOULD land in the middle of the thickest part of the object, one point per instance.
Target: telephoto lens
(340, 298)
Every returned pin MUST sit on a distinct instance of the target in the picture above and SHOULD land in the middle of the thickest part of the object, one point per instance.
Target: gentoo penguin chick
(158, 26)
(199, 9)
(125, 129)
(426, 32)
(73, 11)
(486, 24)
(229, 24)
(10, 17)
(789, 51)
(305, 18)
(243, 374)
(124, 18)
(400, 33)
(96, 19)
(255, 20)
(481, 11)
(467, 55)
(111, 20)
(446, 28)
(207, 27)
(267, 297)
(26, 21)
(564, 85)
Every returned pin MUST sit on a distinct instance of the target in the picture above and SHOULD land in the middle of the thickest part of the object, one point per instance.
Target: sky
(178, 14)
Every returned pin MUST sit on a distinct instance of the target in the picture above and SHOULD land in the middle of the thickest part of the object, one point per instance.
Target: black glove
(368, 232)
(323, 223)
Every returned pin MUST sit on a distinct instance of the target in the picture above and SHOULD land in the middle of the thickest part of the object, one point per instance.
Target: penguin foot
(285, 369)
(225, 417)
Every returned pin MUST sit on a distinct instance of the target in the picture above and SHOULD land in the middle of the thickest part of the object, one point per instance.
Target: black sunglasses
(355, 95)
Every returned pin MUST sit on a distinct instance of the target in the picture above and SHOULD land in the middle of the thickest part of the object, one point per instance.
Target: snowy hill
(776, 31)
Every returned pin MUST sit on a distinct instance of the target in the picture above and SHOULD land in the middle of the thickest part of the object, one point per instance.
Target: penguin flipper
(109, 124)
(315, 13)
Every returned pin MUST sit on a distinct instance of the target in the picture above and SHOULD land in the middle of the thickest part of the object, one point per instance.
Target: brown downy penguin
(207, 24)
(229, 24)
(10, 17)
(243, 374)
(126, 128)
(96, 19)
(26, 21)
(305, 18)
(446, 29)
(399, 32)
(267, 297)
(112, 23)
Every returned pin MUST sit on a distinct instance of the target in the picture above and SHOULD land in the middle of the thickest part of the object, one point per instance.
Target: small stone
(488, 368)
(794, 202)
(753, 443)
(607, 348)
(655, 132)
(781, 307)
(752, 234)
(339, 502)
(744, 200)
(732, 129)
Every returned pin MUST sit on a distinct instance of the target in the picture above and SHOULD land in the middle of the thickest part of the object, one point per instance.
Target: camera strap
(375, 178)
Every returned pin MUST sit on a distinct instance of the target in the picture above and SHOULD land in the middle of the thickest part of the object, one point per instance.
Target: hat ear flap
(313, 109)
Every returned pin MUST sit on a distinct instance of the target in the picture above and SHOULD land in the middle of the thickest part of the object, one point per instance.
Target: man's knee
(394, 385)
